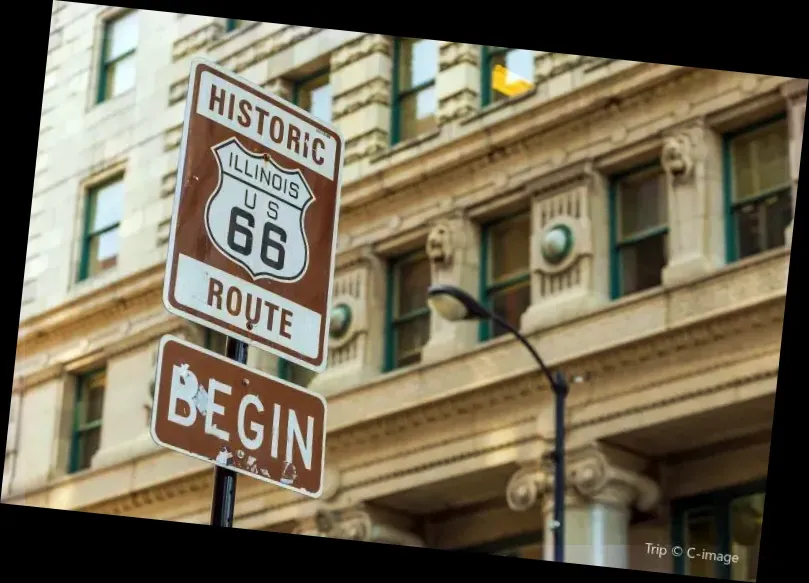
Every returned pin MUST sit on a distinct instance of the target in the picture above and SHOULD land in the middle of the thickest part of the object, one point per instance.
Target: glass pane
(761, 161)
(510, 304)
(315, 97)
(512, 73)
(701, 536)
(410, 337)
(412, 282)
(123, 35)
(121, 76)
(88, 442)
(418, 62)
(94, 404)
(510, 244)
(642, 263)
(642, 203)
(746, 515)
(418, 113)
(761, 225)
(103, 252)
(106, 206)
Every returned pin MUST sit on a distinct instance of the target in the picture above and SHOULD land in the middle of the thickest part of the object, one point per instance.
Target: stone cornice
(483, 135)
(127, 294)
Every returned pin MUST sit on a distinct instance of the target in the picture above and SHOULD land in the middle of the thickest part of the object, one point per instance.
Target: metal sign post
(224, 480)
(251, 254)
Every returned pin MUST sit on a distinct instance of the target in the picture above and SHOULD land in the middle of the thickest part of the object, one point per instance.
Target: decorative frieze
(569, 222)
(356, 336)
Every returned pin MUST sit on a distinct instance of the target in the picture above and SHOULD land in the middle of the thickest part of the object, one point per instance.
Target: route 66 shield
(255, 216)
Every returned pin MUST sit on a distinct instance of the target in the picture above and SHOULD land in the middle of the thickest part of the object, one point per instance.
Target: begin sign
(254, 228)
(217, 410)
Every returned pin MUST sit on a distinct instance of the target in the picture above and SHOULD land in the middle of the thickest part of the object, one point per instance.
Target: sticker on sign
(220, 411)
(254, 228)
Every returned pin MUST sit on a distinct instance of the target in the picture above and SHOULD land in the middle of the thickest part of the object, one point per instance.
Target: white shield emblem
(255, 215)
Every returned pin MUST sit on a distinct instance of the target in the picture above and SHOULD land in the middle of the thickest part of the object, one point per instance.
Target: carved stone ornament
(340, 320)
(594, 476)
(439, 244)
(677, 158)
(557, 243)
(525, 487)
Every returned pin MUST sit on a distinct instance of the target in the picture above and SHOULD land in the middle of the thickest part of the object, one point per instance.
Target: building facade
(633, 220)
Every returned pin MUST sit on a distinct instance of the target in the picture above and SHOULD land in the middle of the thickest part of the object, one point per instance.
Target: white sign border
(195, 64)
(170, 338)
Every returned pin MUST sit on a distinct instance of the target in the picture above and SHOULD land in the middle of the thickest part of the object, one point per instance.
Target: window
(639, 230)
(408, 314)
(506, 271)
(232, 24)
(87, 420)
(715, 527)
(295, 374)
(314, 95)
(104, 206)
(118, 56)
(505, 73)
(758, 185)
(415, 103)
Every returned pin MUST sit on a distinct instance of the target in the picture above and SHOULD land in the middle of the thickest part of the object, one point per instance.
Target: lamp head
(454, 304)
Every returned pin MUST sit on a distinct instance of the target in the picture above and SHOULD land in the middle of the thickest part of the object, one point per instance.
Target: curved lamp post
(454, 304)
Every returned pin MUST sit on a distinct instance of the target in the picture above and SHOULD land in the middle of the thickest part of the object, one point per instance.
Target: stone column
(602, 487)
(569, 222)
(280, 87)
(458, 81)
(692, 161)
(795, 93)
(361, 89)
(453, 247)
(356, 339)
(361, 524)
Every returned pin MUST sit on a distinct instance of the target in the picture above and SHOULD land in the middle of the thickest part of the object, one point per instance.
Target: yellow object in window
(508, 83)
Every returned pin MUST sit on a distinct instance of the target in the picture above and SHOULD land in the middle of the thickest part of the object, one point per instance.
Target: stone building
(670, 189)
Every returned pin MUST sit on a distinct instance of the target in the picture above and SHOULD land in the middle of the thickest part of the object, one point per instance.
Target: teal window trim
(78, 429)
(283, 369)
(231, 24)
(616, 285)
(488, 289)
(299, 83)
(392, 320)
(731, 233)
(488, 53)
(398, 95)
(87, 234)
(504, 545)
(103, 73)
(716, 505)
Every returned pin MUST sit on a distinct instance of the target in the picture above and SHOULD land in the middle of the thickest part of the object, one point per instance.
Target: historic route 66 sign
(255, 216)
(254, 229)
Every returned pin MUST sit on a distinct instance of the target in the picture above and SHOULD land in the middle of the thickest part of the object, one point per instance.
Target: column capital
(595, 473)
(613, 476)
(795, 89)
(360, 523)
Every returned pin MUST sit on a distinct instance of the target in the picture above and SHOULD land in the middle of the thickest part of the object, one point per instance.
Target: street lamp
(454, 304)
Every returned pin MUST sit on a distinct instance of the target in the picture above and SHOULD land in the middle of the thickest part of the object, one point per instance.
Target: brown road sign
(254, 228)
(219, 411)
